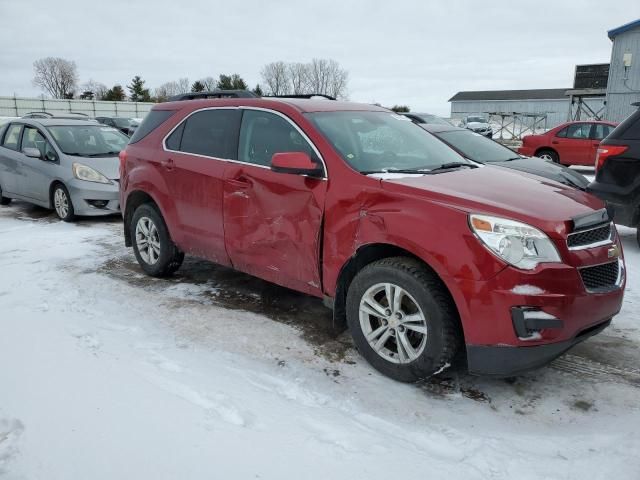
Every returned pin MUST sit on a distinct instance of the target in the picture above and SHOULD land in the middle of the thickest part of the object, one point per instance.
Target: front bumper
(94, 199)
(505, 361)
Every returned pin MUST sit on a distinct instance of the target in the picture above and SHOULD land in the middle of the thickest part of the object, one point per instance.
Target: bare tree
(209, 83)
(183, 85)
(299, 77)
(276, 77)
(56, 76)
(328, 78)
(94, 90)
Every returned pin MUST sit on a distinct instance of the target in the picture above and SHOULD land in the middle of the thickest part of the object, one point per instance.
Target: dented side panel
(272, 224)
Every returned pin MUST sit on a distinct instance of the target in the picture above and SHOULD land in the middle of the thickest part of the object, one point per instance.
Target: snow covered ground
(108, 374)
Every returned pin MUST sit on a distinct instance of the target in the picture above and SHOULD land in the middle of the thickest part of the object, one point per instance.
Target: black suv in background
(618, 172)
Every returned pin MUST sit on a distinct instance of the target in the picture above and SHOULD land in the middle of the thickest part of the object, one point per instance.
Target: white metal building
(623, 87)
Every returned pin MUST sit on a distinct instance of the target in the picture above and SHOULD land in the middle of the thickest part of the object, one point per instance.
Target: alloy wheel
(61, 202)
(393, 323)
(148, 240)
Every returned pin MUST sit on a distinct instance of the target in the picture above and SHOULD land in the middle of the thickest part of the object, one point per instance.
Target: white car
(477, 124)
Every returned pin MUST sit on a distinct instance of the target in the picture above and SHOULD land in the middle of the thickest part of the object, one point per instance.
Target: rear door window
(579, 131)
(12, 137)
(600, 131)
(213, 133)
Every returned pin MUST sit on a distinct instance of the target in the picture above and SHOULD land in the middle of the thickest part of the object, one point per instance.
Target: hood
(547, 169)
(107, 166)
(478, 125)
(502, 192)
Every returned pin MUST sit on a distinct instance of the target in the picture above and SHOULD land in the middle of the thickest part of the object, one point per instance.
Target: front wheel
(402, 319)
(155, 251)
(62, 203)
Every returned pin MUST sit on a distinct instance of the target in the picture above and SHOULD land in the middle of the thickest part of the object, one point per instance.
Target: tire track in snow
(585, 368)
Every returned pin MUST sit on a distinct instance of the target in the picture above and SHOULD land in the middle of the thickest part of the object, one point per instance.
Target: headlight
(518, 244)
(82, 172)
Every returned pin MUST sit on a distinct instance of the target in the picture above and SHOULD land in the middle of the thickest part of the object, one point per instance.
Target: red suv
(573, 143)
(419, 251)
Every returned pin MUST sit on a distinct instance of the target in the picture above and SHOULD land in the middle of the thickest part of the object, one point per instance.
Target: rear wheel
(402, 319)
(548, 155)
(4, 200)
(62, 203)
(155, 251)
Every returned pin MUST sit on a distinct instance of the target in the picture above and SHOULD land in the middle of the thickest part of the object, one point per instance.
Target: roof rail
(213, 94)
(305, 95)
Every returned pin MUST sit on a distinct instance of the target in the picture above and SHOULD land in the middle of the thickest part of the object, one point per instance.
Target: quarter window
(12, 137)
(262, 134)
(212, 133)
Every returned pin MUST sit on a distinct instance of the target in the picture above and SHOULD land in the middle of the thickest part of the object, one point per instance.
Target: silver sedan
(70, 166)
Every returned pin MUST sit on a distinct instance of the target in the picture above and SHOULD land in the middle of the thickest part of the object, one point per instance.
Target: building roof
(539, 94)
(623, 28)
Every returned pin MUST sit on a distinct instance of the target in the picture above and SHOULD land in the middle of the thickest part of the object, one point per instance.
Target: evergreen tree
(138, 92)
(231, 82)
(198, 86)
(258, 90)
(401, 109)
(115, 94)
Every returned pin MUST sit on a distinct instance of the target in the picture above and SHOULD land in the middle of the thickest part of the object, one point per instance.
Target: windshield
(88, 140)
(476, 119)
(383, 142)
(477, 147)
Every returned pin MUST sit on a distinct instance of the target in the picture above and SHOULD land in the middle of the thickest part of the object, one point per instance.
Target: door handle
(555, 142)
(168, 165)
(239, 182)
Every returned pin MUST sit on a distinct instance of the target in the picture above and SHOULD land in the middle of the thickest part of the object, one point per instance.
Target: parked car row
(426, 240)
(124, 124)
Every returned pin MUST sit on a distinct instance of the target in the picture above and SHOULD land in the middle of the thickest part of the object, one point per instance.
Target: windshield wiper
(512, 159)
(421, 170)
(103, 154)
(451, 166)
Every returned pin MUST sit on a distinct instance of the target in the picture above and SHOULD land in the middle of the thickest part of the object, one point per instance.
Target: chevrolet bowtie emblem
(613, 252)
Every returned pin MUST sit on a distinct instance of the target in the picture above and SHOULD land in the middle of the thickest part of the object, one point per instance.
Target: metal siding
(620, 96)
(557, 110)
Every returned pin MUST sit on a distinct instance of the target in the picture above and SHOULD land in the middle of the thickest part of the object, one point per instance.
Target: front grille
(589, 237)
(601, 277)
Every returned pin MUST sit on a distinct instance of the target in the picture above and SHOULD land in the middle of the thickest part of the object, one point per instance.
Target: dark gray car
(480, 149)
(70, 166)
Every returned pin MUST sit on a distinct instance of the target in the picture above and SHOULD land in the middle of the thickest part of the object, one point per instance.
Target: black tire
(443, 338)
(65, 214)
(638, 235)
(4, 200)
(550, 154)
(170, 258)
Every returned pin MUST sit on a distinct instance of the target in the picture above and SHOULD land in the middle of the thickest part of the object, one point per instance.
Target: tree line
(59, 78)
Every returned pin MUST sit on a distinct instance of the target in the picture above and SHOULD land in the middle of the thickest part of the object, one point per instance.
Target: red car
(420, 252)
(572, 143)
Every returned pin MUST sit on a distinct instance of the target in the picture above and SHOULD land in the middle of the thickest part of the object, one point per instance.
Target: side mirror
(296, 163)
(32, 152)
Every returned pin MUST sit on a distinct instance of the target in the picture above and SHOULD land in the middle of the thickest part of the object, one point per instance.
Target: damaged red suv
(422, 254)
